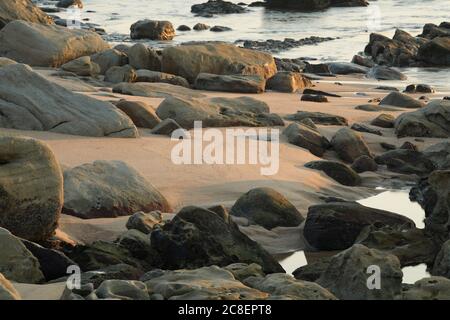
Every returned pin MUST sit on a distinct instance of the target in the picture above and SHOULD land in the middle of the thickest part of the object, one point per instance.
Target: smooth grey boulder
(383, 120)
(121, 74)
(346, 68)
(122, 290)
(166, 127)
(385, 73)
(402, 100)
(431, 288)
(349, 145)
(319, 118)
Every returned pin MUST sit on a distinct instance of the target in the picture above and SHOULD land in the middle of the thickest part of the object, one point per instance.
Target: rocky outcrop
(268, 208)
(439, 153)
(349, 145)
(109, 189)
(230, 83)
(28, 101)
(188, 61)
(305, 137)
(152, 29)
(21, 10)
(441, 266)
(337, 171)
(432, 288)
(52, 45)
(31, 193)
(436, 52)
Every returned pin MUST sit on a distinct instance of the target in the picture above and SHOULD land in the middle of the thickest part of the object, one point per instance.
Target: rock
(188, 61)
(125, 73)
(346, 68)
(155, 76)
(387, 146)
(313, 98)
(201, 27)
(197, 237)
(285, 81)
(319, 118)
(319, 92)
(337, 225)
(364, 164)
(419, 88)
(431, 121)
(108, 59)
(242, 271)
(319, 69)
(122, 290)
(406, 161)
(348, 274)
(205, 283)
(365, 128)
(284, 286)
(385, 73)
(156, 90)
(82, 66)
(309, 123)
(431, 31)
(53, 263)
(409, 146)
(184, 27)
(55, 108)
(432, 288)
(166, 127)
(363, 61)
(7, 290)
(401, 100)
(435, 52)
(349, 145)
(313, 5)
(16, 261)
(138, 243)
(69, 3)
(268, 208)
(21, 10)
(152, 29)
(313, 270)
(230, 83)
(142, 114)
(144, 222)
(220, 29)
(142, 57)
(216, 7)
(439, 153)
(109, 189)
(52, 45)
(305, 137)
(31, 193)
(218, 112)
(337, 171)
(384, 120)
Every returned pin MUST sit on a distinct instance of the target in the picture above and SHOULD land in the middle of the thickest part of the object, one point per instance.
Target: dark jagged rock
(216, 7)
(406, 161)
(363, 164)
(313, 5)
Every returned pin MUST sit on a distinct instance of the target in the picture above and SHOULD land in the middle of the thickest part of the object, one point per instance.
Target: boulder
(313, 270)
(52, 45)
(242, 271)
(346, 68)
(314, 98)
(268, 208)
(385, 73)
(348, 274)
(314, 5)
(220, 29)
(156, 76)
(201, 27)
(320, 93)
(212, 7)
(142, 57)
(361, 127)
(306, 137)
(166, 127)
(205, 283)
(436, 52)
(230, 83)
(319, 118)
(431, 288)
(152, 29)
(156, 90)
(69, 3)
(55, 108)
(363, 61)
(16, 261)
(122, 290)
(383, 120)
(109, 189)
(349, 145)
(441, 266)
(142, 114)
(401, 100)
(7, 290)
(183, 27)
(138, 243)
(364, 164)
(144, 222)
(31, 184)
(439, 153)
(82, 66)
(419, 88)
(124, 73)
(218, 112)
(337, 171)
(21, 10)
(108, 59)
(197, 237)
(337, 225)
(431, 121)
(406, 161)
(188, 61)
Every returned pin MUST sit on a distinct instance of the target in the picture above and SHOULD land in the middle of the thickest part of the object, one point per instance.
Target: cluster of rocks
(275, 46)
(313, 5)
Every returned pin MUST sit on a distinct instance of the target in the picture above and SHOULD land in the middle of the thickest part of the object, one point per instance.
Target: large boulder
(31, 193)
(306, 137)
(436, 52)
(189, 61)
(385, 73)
(218, 112)
(336, 225)
(401, 100)
(28, 101)
(349, 145)
(122, 290)
(152, 29)
(109, 189)
(268, 208)
(337, 171)
(406, 161)
(51, 45)
(230, 83)
(348, 274)
(16, 262)
(441, 266)
(198, 237)
(21, 10)
(286, 81)
(431, 121)
(346, 68)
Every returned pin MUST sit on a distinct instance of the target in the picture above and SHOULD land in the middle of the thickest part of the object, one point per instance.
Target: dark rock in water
(363, 61)
(346, 68)
(319, 118)
(439, 153)
(320, 69)
(364, 164)
(384, 120)
(385, 73)
(314, 98)
(347, 275)
(409, 146)
(184, 27)
(337, 171)
(313, 5)
(336, 226)
(361, 127)
(287, 82)
(307, 137)
(220, 29)
(230, 83)
(258, 4)
(436, 52)
(349, 145)
(387, 146)
(319, 92)
(152, 29)
(268, 208)
(217, 7)
(431, 31)
(276, 46)
(197, 237)
(166, 127)
(431, 121)
(419, 88)
(201, 27)
(289, 65)
(406, 161)
(50, 10)
(401, 100)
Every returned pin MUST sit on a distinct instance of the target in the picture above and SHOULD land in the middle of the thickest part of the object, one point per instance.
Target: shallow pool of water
(415, 273)
(293, 262)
